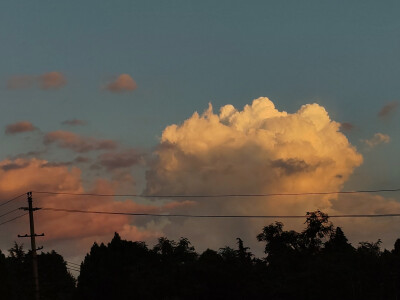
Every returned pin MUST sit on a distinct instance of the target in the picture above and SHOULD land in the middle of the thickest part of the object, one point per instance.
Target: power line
(8, 201)
(72, 263)
(216, 216)
(20, 216)
(9, 212)
(220, 195)
(72, 269)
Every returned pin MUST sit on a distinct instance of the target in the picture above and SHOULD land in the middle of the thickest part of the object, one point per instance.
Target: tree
(243, 253)
(318, 227)
(279, 243)
(338, 242)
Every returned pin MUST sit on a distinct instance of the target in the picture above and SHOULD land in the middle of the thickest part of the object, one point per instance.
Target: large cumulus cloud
(255, 150)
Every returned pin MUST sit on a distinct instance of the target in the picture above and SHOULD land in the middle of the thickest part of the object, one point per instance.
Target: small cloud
(74, 122)
(123, 83)
(388, 109)
(56, 164)
(20, 82)
(81, 159)
(347, 126)
(28, 155)
(13, 166)
(19, 127)
(377, 139)
(117, 160)
(52, 80)
(77, 143)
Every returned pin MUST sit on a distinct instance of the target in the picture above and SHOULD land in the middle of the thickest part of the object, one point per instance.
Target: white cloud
(255, 150)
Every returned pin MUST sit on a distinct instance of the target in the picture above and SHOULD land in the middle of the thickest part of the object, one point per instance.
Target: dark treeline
(317, 263)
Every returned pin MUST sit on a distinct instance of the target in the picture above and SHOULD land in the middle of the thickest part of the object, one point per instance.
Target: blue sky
(343, 55)
(183, 54)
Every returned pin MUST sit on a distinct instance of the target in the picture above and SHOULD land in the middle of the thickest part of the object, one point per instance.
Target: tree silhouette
(318, 262)
(318, 227)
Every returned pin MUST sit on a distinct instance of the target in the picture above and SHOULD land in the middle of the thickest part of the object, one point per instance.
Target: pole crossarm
(28, 235)
(27, 208)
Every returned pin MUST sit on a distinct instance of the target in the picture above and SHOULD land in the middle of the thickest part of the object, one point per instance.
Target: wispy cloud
(123, 83)
(118, 160)
(20, 82)
(46, 81)
(74, 122)
(388, 109)
(19, 127)
(347, 126)
(377, 139)
(77, 143)
(52, 80)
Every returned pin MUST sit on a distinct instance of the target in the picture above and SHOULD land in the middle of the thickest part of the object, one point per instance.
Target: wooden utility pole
(33, 236)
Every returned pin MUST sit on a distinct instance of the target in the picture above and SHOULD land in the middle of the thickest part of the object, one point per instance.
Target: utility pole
(32, 235)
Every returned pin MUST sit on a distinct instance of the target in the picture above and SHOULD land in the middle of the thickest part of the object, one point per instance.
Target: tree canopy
(316, 263)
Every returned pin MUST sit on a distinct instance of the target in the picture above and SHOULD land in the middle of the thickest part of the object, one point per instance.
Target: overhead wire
(9, 212)
(219, 195)
(72, 269)
(20, 216)
(72, 263)
(8, 201)
(215, 216)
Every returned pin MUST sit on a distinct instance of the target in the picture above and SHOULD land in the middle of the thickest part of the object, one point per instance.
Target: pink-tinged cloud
(78, 230)
(123, 83)
(20, 82)
(77, 143)
(378, 138)
(74, 122)
(118, 160)
(19, 127)
(52, 80)
(388, 109)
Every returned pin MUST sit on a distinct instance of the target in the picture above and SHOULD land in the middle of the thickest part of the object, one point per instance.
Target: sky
(198, 97)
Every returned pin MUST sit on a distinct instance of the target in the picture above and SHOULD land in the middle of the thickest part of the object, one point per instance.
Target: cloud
(292, 165)
(19, 127)
(77, 160)
(20, 82)
(74, 122)
(46, 81)
(71, 233)
(388, 109)
(219, 152)
(123, 83)
(255, 150)
(377, 139)
(77, 143)
(14, 165)
(347, 126)
(117, 160)
(52, 80)
(82, 159)
(57, 164)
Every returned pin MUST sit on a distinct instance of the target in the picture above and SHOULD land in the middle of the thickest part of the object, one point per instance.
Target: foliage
(16, 280)
(315, 263)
